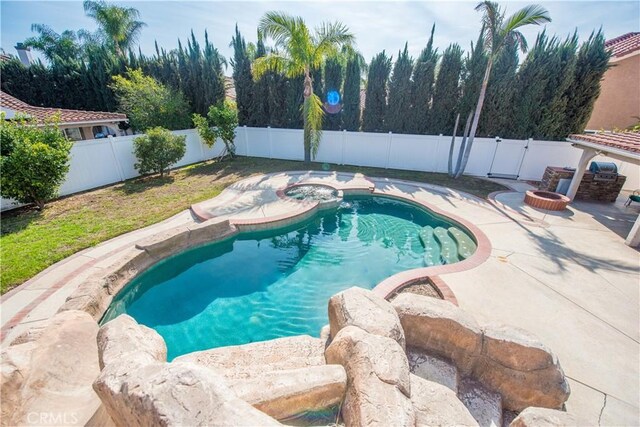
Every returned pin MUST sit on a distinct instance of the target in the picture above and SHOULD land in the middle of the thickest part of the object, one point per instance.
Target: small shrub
(34, 160)
(158, 150)
(221, 122)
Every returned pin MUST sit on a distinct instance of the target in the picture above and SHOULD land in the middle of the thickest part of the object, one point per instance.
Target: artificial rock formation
(437, 405)
(504, 359)
(379, 387)
(364, 309)
(538, 417)
(138, 388)
(251, 360)
(46, 376)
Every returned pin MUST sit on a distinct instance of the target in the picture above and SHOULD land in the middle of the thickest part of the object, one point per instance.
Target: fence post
(526, 150)
(115, 159)
(386, 166)
(246, 141)
(344, 143)
(270, 142)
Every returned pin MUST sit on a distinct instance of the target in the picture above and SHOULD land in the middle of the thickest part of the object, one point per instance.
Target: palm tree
(119, 26)
(497, 32)
(55, 47)
(296, 52)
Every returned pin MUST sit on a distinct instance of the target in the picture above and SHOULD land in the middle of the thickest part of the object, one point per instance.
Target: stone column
(587, 155)
(633, 239)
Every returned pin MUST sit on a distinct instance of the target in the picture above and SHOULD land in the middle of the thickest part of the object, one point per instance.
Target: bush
(221, 122)
(148, 103)
(158, 150)
(34, 160)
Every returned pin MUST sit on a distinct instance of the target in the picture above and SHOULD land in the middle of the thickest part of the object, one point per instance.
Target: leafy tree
(299, 53)
(375, 103)
(148, 103)
(497, 30)
(333, 76)
(54, 47)
(221, 122)
(265, 87)
(591, 64)
(34, 160)
(397, 118)
(243, 81)
(157, 150)
(446, 91)
(424, 73)
(351, 94)
(118, 26)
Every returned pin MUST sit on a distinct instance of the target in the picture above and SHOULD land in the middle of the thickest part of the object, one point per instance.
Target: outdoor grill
(604, 171)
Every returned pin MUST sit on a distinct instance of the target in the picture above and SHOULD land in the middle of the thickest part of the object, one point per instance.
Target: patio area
(567, 277)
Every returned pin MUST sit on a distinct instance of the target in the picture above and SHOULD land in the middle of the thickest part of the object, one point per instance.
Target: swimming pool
(263, 285)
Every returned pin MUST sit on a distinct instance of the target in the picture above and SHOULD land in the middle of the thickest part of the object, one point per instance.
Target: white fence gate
(100, 162)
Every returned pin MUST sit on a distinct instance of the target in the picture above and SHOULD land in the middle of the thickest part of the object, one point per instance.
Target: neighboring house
(618, 106)
(77, 124)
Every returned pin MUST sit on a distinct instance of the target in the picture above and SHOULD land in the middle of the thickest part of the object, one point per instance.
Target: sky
(377, 25)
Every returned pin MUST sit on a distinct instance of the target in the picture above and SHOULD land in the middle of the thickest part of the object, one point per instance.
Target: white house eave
(616, 153)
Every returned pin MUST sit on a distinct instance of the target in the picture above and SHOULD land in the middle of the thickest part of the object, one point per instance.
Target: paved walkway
(567, 277)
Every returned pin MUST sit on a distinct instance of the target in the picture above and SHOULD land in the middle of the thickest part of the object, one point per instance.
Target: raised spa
(264, 285)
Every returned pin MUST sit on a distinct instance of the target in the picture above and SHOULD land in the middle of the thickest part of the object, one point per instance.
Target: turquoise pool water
(272, 284)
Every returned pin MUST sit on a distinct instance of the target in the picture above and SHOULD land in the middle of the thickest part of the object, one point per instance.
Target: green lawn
(30, 240)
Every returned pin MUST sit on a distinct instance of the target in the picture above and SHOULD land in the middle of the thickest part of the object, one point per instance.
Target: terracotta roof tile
(627, 141)
(66, 116)
(624, 44)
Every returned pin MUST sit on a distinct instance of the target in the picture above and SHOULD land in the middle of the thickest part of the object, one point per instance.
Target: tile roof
(627, 141)
(66, 116)
(229, 88)
(624, 44)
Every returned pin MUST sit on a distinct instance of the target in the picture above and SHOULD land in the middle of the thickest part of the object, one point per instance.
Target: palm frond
(532, 14)
(313, 115)
(271, 62)
(330, 36)
(279, 26)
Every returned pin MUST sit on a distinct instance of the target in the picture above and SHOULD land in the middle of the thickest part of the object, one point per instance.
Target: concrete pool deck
(566, 276)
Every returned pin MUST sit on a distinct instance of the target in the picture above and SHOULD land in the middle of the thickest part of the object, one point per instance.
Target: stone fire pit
(547, 200)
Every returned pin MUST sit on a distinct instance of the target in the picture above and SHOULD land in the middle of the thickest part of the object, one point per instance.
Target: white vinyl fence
(100, 162)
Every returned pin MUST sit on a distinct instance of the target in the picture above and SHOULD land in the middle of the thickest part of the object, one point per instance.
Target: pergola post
(587, 155)
(633, 239)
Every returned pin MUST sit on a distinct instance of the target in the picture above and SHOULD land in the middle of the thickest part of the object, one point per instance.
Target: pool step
(431, 247)
(466, 245)
(448, 248)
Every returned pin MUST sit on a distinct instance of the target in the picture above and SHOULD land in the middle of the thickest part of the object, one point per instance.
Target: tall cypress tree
(242, 78)
(561, 68)
(351, 96)
(591, 64)
(397, 118)
(424, 76)
(333, 76)
(473, 73)
(375, 104)
(294, 100)
(260, 114)
(500, 91)
(446, 91)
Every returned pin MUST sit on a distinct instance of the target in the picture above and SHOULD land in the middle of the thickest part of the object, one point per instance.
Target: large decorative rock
(484, 405)
(122, 336)
(48, 380)
(543, 417)
(432, 369)
(521, 369)
(437, 405)
(284, 394)
(378, 379)
(364, 309)
(165, 243)
(250, 360)
(440, 328)
(170, 394)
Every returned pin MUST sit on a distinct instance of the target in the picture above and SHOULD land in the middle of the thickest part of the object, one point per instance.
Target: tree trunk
(308, 91)
(453, 142)
(476, 118)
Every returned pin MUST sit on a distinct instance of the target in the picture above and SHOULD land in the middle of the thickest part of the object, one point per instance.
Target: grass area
(31, 240)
